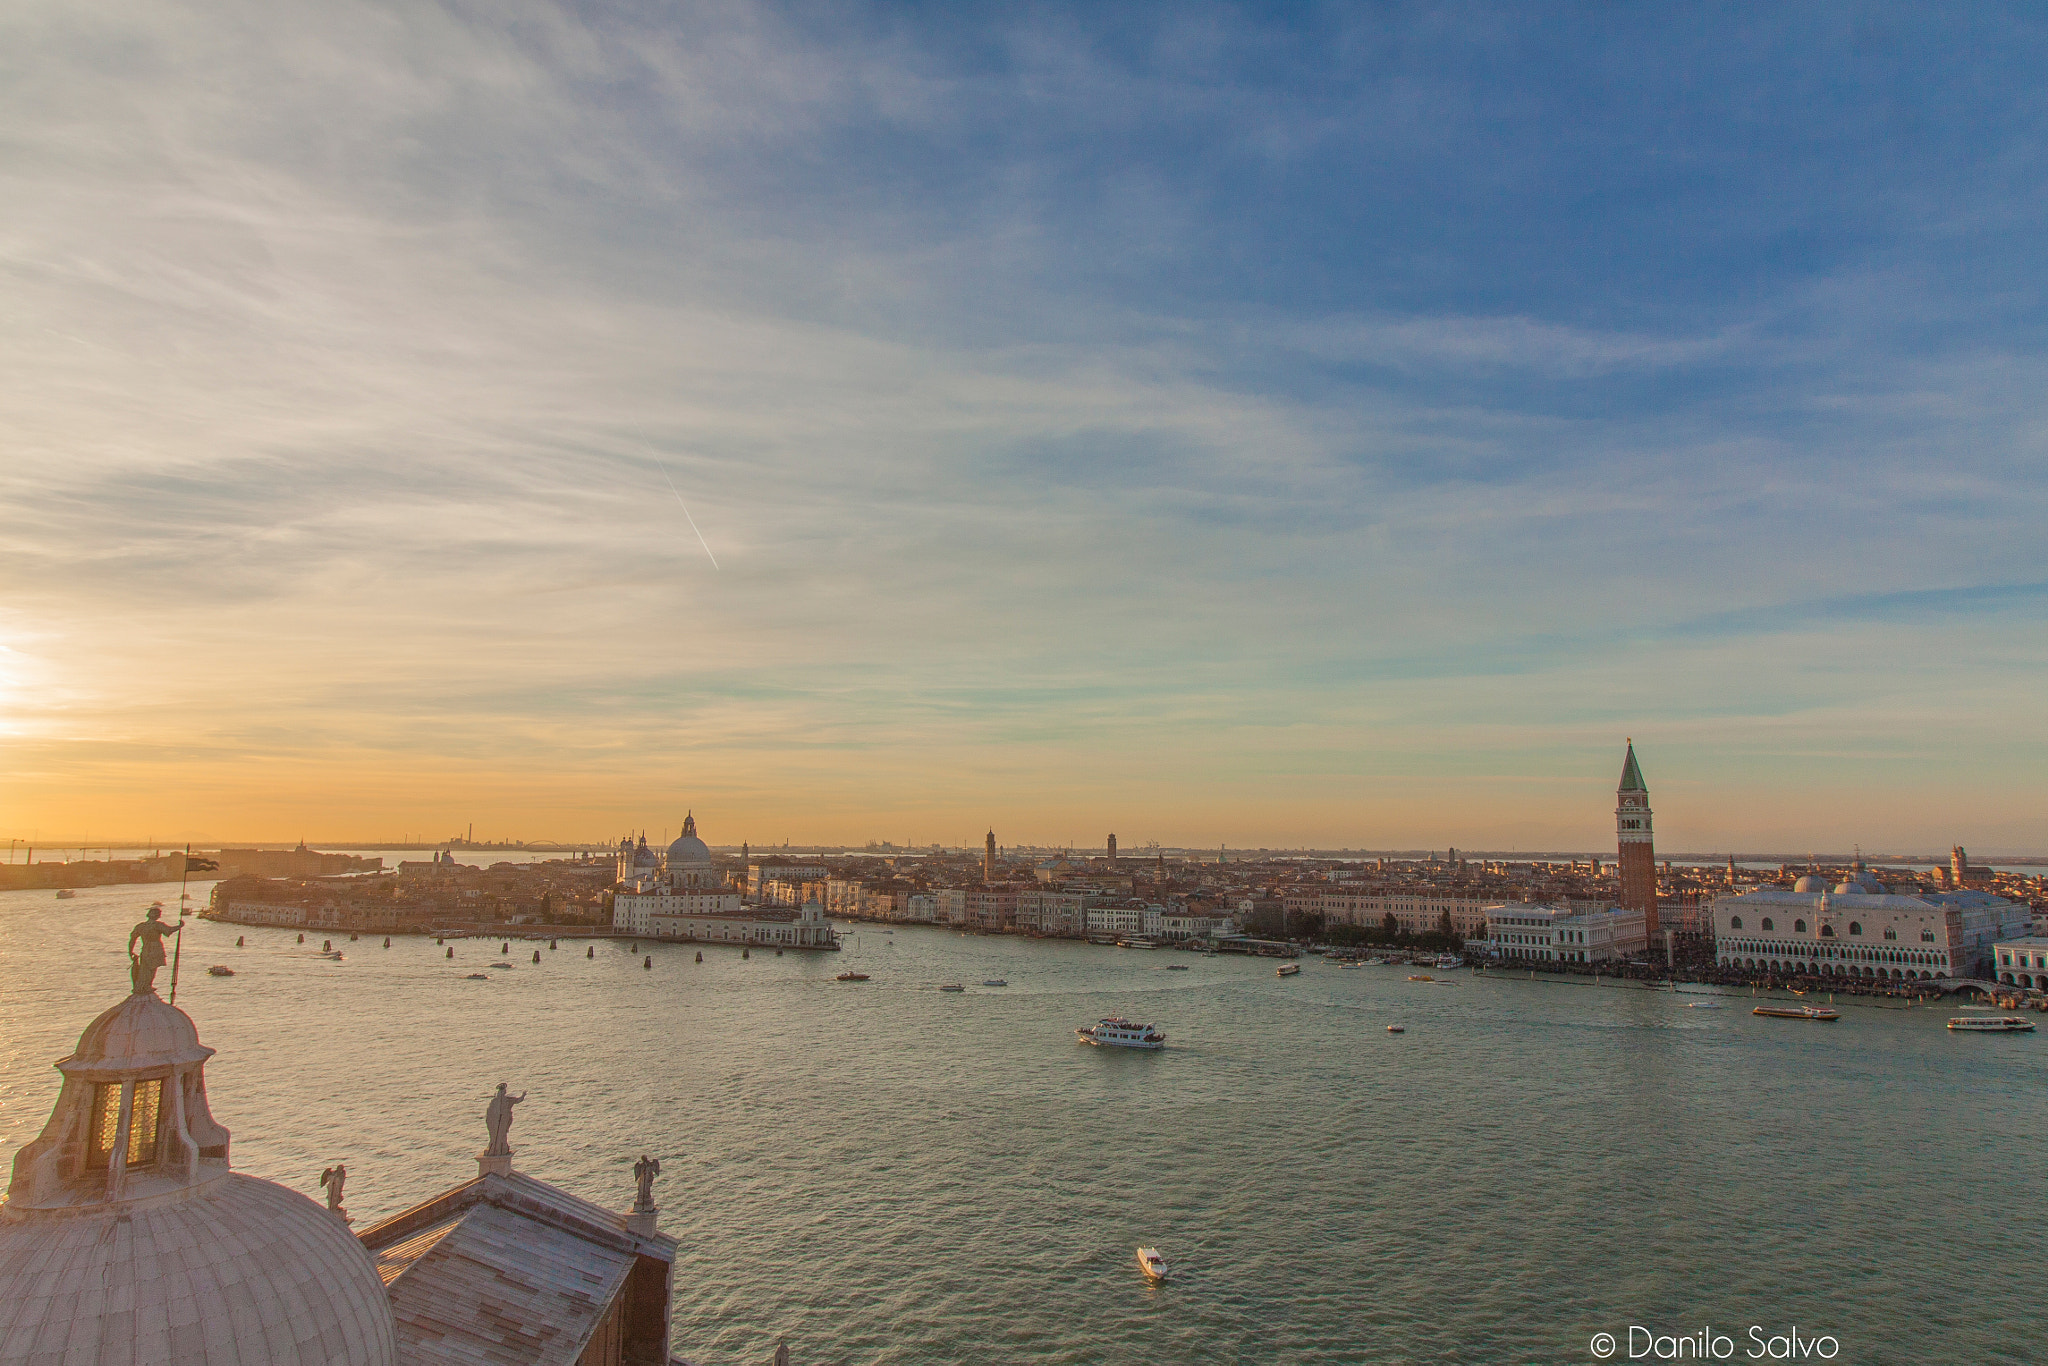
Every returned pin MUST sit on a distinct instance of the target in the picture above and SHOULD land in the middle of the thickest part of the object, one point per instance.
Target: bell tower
(988, 859)
(1636, 853)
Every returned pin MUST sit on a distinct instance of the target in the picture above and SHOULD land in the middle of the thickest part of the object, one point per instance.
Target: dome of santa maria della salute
(126, 1238)
(688, 850)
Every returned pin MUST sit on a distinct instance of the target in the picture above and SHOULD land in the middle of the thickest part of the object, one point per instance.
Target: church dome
(140, 1032)
(1810, 883)
(126, 1237)
(238, 1271)
(688, 850)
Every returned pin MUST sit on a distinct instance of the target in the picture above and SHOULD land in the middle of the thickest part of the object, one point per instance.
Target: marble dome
(688, 850)
(1811, 883)
(237, 1271)
(120, 1242)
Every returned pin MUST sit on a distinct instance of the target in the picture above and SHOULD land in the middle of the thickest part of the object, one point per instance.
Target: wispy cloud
(1202, 400)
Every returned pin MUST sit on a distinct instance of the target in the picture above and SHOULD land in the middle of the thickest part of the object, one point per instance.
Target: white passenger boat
(995, 982)
(1450, 960)
(1991, 1024)
(1136, 944)
(1289, 970)
(1152, 1264)
(1116, 1032)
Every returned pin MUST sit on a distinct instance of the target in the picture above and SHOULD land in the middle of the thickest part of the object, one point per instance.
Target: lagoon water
(881, 1172)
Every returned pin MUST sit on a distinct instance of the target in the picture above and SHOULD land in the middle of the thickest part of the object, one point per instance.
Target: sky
(1214, 424)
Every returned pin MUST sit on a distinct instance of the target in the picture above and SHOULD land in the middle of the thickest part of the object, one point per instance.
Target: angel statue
(644, 1171)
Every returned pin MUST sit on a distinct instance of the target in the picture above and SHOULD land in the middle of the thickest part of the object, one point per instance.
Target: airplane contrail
(685, 507)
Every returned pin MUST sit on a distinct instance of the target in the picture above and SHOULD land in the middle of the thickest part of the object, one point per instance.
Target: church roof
(505, 1269)
(1631, 776)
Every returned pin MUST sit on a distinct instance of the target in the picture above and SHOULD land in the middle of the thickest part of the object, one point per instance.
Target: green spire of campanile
(1631, 776)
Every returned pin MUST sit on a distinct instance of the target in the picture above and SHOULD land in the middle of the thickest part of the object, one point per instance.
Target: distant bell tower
(1637, 856)
(1112, 850)
(988, 858)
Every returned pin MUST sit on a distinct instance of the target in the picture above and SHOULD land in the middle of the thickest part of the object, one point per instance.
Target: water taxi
(1397, 1029)
(1116, 1032)
(65, 894)
(1152, 1264)
(223, 970)
(1176, 967)
(1991, 1024)
(952, 986)
(852, 977)
(1374, 963)
(1702, 1005)
(1450, 960)
(1798, 1012)
(995, 982)
(1288, 970)
(1136, 944)
(1420, 977)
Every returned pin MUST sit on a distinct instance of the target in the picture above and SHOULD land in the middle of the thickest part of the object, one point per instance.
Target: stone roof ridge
(524, 1195)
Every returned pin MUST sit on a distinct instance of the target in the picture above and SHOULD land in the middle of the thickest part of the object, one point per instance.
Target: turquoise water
(882, 1172)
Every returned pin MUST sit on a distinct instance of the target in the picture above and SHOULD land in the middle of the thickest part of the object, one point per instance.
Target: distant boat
(1420, 977)
(1798, 1012)
(1450, 960)
(223, 970)
(1991, 1024)
(1152, 1264)
(1374, 963)
(1117, 1032)
(952, 986)
(1288, 970)
(995, 982)
(1397, 1029)
(478, 977)
(853, 977)
(65, 894)
(1702, 1005)
(1176, 967)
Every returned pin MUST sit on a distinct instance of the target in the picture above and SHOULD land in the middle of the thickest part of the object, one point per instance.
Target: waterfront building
(1860, 928)
(1128, 920)
(1636, 856)
(2022, 962)
(1063, 912)
(684, 898)
(1564, 934)
(127, 1236)
(949, 905)
(993, 908)
(1416, 910)
(1181, 926)
(762, 873)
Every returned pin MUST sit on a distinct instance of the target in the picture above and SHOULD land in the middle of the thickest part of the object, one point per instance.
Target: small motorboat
(852, 977)
(1420, 977)
(1702, 1005)
(995, 982)
(1176, 967)
(1397, 1029)
(1374, 963)
(478, 977)
(1991, 1024)
(1288, 970)
(1798, 1012)
(223, 970)
(65, 894)
(501, 967)
(952, 986)
(1152, 1264)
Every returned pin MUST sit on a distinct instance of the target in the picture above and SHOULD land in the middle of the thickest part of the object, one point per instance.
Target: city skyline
(1215, 426)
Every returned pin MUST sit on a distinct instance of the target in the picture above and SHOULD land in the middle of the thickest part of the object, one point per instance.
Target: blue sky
(1275, 426)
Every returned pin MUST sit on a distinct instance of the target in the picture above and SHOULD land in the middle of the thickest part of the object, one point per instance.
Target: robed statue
(644, 1171)
(333, 1179)
(149, 935)
(498, 1117)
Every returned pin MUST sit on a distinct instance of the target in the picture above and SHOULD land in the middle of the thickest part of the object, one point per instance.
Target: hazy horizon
(1328, 427)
